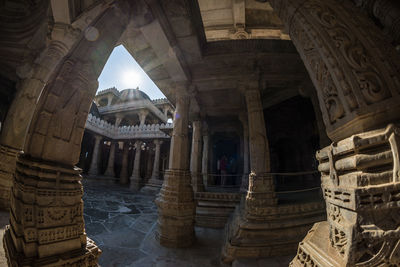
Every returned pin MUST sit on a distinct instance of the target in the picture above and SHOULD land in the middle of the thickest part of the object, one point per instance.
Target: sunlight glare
(130, 79)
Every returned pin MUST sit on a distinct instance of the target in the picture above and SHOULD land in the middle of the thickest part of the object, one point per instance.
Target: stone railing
(106, 129)
(160, 101)
(112, 90)
(134, 105)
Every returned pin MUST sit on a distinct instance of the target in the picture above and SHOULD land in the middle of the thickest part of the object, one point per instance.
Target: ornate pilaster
(245, 178)
(111, 158)
(135, 177)
(124, 178)
(176, 206)
(249, 232)
(94, 165)
(195, 158)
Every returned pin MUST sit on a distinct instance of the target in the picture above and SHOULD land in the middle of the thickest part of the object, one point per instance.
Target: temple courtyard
(123, 224)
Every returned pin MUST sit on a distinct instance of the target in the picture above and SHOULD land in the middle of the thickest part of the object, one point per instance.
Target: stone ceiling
(240, 19)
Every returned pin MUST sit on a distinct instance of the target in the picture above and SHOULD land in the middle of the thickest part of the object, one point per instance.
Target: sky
(122, 71)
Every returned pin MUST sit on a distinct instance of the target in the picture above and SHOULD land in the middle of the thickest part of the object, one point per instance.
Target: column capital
(158, 142)
(98, 137)
(138, 143)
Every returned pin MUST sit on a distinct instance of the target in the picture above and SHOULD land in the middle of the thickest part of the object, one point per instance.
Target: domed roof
(132, 94)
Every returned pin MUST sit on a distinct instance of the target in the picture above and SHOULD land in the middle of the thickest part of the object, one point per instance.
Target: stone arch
(46, 202)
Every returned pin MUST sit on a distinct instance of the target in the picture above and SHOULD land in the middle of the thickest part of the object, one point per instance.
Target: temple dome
(129, 94)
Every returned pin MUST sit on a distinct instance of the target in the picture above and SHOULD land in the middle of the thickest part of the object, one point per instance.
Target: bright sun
(130, 79)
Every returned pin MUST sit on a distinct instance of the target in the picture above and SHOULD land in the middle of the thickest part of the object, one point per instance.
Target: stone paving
(123, 224)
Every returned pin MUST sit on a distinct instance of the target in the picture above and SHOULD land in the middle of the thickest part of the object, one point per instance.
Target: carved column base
(84, 257)
(135, 183)
(152, 186)
(46, 218)
(176, 210)
(278, 234)
(8, 158)
(361, 186)
(197, 182)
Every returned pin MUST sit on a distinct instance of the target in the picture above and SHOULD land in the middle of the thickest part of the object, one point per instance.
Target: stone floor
(123, 223)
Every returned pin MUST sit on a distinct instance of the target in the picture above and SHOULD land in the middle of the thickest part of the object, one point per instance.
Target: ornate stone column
(176, 206)
(46, 218)
(111, 160)
(356, 73)
(124, 179)
(142, 117)
(245, 178)
(155, 176)
(204, 161)
(196, 157)
(149, 163)
(135, 177)
(16, 124)
(94, 165)
(248, 231)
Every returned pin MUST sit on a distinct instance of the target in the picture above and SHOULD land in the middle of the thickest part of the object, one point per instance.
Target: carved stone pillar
(195, 158)
(46, 218)
(155, 176)
(19, 115)
(142, 117)
(94, 165)
(7, 168)
(111, 160)
(355, 71)
(245, 178)
(249, 232)
(204, 161)
(124, 178)
(135, 177)
(176, 206)
(118, 120)
(149, 163)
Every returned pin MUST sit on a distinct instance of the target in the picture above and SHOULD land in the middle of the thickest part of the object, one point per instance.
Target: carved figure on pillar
(176, 206)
